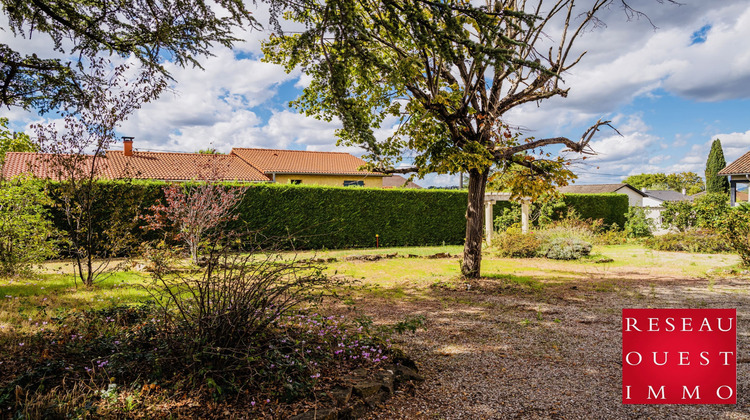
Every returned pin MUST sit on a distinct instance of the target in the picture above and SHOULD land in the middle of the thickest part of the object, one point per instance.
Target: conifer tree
(715, 163)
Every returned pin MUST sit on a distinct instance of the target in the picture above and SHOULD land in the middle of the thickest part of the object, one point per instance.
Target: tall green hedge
(609, 207)
(338, 217)
(313, 216)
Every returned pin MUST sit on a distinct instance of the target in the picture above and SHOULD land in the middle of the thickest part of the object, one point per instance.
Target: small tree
(26, 233)
(195, 211)
(715, 163)
(638, 224)
(75, 158)
(11, 141)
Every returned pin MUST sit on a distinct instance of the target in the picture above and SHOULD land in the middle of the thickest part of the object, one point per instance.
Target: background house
(397, 181)
(738, 173)
(635, 196)
(243, 165)
(303, 167)
(654, 201)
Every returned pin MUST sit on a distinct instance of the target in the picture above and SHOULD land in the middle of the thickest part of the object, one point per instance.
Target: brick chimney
(127, 143)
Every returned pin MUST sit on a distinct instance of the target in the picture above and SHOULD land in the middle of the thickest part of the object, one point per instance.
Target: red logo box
(679, 356)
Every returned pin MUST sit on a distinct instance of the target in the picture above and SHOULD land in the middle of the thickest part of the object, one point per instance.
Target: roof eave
(324, 173)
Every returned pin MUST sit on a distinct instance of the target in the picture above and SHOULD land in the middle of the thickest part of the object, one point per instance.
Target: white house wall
(634, 199)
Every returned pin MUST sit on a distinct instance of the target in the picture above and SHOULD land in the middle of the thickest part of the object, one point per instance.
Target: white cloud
(733, 144)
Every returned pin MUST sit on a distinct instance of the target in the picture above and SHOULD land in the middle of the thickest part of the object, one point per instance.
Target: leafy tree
(26, 233)
(638, 224)
(448, 71)
(75, 157)
(689, 181)
(149, 30)
(715, 163)
(11, 141)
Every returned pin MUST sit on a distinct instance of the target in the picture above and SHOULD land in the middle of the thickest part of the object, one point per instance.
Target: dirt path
(507, 351)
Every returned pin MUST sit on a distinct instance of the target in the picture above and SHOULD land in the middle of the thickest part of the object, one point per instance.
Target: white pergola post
(488, 221)
(524, 215)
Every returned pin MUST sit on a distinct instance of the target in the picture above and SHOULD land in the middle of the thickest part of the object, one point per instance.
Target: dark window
(295, 181)
(354, 183)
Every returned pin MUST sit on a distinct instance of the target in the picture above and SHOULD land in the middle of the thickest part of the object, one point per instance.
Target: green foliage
(689, 181)
(679, 215)
(565, 248)
(710, 210)
(706, 241)
(11, 141)
(735, 228)
(637, 224)
(26, 233)
(512, 243)
(148, 31)
(510, 216)
(715, 163)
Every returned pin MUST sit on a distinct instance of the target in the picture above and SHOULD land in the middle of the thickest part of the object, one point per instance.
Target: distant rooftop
(667, 195)
(597, 189)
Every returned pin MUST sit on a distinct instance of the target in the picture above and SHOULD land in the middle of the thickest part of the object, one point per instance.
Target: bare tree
(74, 157)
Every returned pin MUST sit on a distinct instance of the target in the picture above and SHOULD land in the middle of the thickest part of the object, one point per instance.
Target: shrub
(510, 217)
(637, 224)
(566, 242)
(736, 229)
(710, 209)
(562, 248)
(26, 234)
(705, 241)
(679, 215)
(515, 244)
(611, 237)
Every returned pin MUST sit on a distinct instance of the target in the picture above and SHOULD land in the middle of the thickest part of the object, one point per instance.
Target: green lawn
(28, 301)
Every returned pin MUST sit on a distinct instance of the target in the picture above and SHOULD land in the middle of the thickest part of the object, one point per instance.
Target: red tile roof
(143, 165)
(303, 162)
(41, 165)
(397, 181)
(182, 166)
(739, 166)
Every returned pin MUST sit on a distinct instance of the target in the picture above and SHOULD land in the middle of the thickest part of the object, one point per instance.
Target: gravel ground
(507, 351)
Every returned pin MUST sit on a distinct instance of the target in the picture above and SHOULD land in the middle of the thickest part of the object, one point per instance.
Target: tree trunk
(471, 265)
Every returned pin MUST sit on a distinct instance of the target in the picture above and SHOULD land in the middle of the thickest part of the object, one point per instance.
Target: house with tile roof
(241, 164)
(304, 167)
(738, 173)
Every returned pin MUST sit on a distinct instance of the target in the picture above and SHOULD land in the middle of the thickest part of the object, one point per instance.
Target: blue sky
(670, 91)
